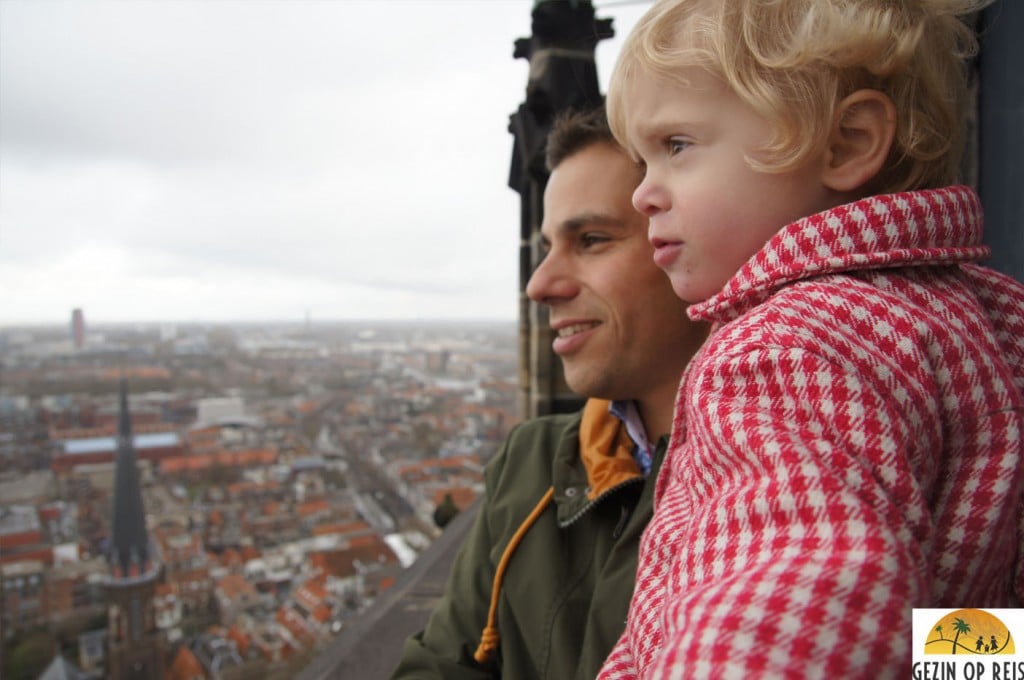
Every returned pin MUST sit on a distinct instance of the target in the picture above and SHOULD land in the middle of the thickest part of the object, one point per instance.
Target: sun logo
(969, 631)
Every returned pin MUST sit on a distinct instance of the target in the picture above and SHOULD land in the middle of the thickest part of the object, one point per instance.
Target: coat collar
(593, 459)
(928, 227)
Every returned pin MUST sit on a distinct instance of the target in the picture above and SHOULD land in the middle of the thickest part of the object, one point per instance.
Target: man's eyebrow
(577, 222)
(571, 226)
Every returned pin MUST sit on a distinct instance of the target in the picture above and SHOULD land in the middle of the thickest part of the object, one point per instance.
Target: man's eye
(589, 240)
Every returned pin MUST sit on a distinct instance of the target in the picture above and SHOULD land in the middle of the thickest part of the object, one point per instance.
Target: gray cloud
(223, 159)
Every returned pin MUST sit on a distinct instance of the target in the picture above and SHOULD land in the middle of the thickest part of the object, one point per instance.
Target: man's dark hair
(574, 131)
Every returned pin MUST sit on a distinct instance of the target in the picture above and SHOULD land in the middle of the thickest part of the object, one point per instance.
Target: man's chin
(584, 383)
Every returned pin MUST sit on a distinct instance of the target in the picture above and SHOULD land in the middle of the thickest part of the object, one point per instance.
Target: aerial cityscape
(220, 500)
(200, 492)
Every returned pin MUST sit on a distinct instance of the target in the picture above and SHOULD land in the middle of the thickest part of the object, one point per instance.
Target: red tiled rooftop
(290, 619)
(365, 540)
(240, 638)
(230, 557)
(343, 528)
(188, 576)
(312, 507)
(245, 457)
(321, 613)
(234, 586)
(370, 549)
(470, 461)
(237, 488)
(185, 666)
(120, 373)
(311, 593)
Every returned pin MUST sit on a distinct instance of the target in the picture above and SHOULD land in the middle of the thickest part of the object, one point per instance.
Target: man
(541, 587)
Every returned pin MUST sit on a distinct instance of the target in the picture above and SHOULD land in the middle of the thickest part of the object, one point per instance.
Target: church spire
(129, 542)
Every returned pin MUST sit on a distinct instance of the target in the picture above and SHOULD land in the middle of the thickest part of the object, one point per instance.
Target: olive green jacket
(563, 599)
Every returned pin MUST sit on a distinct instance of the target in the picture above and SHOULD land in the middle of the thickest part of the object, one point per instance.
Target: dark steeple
(129, 542)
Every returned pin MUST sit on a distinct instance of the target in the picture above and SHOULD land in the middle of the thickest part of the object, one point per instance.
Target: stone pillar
(563, 75)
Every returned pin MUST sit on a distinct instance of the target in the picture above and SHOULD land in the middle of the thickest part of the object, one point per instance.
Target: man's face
(621, 332)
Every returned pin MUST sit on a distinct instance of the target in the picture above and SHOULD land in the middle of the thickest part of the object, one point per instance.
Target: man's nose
(551, 281)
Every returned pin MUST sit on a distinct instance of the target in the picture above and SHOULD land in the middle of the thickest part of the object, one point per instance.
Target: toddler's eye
(676, 145)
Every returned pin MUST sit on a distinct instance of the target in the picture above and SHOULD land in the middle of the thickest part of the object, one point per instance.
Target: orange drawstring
(489, 638)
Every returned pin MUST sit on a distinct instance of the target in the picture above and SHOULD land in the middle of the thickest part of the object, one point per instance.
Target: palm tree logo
(960, 626)
(975, 631)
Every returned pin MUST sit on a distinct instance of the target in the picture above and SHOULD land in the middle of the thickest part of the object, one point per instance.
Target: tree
(29, 654)
(960, 626)
(938, 629)
(445, 511)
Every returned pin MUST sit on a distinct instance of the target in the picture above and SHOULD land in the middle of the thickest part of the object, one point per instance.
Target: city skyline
(66, 323)
(286, 480)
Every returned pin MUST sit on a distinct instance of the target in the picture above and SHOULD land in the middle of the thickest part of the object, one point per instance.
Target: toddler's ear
(861, 137)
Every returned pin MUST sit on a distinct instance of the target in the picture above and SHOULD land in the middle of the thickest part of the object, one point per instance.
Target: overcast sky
(222, 160)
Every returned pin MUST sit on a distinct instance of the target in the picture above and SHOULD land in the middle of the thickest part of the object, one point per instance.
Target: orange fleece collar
(605, 448)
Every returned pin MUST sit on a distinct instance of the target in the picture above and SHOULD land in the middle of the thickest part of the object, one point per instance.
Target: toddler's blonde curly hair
(794, 60)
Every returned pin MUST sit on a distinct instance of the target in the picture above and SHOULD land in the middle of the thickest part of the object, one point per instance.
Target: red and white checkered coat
(846, 446)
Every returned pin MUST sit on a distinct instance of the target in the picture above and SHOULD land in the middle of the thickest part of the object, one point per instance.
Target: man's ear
(860, 140)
